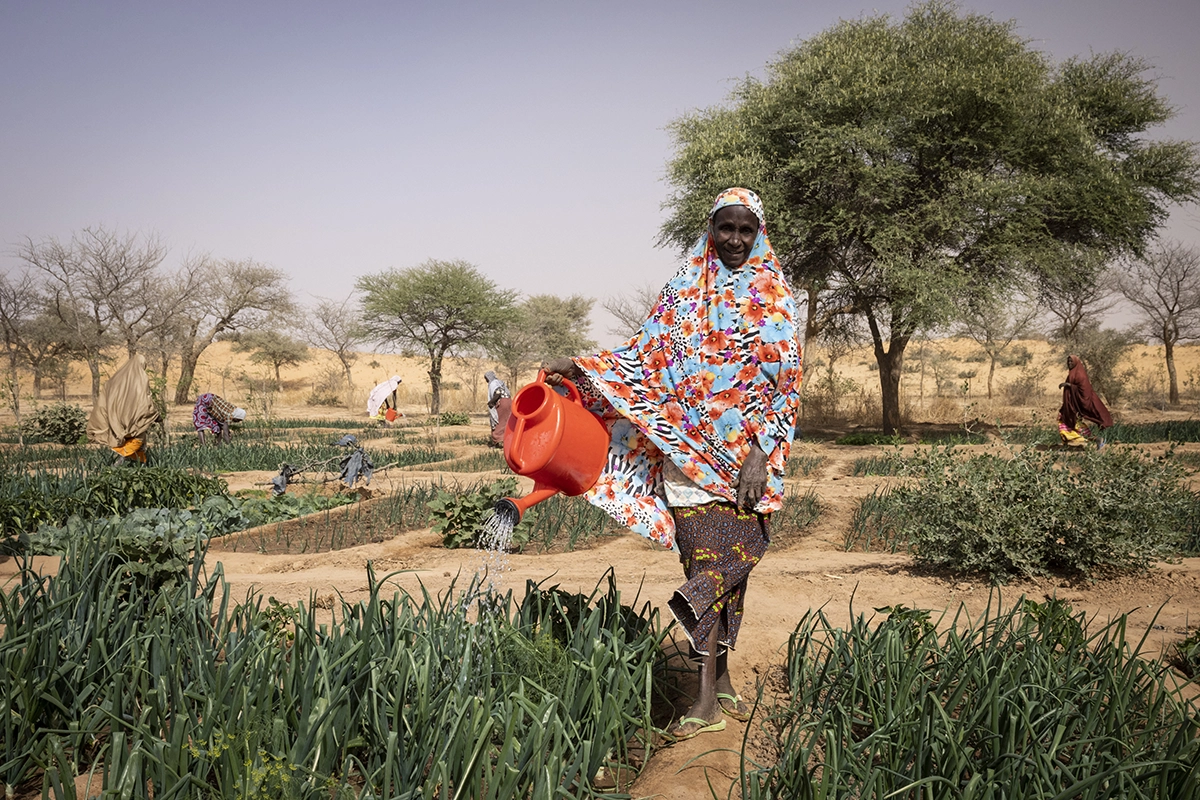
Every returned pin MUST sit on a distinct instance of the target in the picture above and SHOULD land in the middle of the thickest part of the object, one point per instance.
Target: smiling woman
(701, 404)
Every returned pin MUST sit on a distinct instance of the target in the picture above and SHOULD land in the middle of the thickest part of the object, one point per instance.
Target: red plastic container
(554, 440)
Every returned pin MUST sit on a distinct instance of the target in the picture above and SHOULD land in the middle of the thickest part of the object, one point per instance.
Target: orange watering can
(554, 440)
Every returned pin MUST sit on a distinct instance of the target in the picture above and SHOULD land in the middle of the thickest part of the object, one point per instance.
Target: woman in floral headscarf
(701, 404)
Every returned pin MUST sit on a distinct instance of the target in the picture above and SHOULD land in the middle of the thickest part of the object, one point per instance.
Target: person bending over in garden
(701, 405)
(499, 407)
(214, 414)
(1081, 408)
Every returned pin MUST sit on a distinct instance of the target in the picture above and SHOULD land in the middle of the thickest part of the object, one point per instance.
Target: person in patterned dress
(701, 405)
(213, 414)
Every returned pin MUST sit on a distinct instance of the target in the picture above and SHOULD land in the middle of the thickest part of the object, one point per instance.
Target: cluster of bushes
(1034, 512)
(61, 423)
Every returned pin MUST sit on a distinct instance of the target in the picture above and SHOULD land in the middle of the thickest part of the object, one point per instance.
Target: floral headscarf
(713, 370)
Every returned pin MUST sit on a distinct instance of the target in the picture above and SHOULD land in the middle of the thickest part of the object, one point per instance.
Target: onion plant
(1023, 703)
(181, 692)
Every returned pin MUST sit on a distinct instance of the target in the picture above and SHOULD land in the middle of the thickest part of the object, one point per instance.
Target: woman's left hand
(752, 479)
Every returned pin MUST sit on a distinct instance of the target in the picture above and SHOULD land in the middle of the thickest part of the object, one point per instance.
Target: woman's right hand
(559, 368)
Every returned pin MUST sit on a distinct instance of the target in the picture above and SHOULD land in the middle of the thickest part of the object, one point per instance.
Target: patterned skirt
(718, 546)
(1081, 434)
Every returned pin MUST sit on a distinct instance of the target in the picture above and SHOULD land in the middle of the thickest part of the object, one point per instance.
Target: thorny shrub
(1034, 512)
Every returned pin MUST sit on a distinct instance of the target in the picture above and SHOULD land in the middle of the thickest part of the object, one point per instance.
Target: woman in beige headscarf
(124, 411)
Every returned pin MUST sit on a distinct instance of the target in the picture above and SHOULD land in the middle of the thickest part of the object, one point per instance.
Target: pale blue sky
(336, 140)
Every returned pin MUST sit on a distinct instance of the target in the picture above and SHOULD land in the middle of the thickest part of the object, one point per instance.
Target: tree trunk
(1173, 380)
(93, 363)
(346, 369)
(37, 384)
(891, 366)
(187, 372)
(991, 372)
(810, 322)
(435, 383)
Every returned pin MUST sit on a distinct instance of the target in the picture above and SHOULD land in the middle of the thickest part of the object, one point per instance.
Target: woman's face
(734, 230)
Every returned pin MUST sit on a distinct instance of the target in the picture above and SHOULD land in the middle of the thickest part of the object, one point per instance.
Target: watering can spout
(515, 507)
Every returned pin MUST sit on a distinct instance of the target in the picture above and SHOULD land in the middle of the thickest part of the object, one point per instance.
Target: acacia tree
(440, 307)
(237, 295)
(1164, 286)
(911, 166)
(334, 325)
(271, 347)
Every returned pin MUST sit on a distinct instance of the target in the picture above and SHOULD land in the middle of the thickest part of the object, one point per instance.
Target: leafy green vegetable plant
(62, 423)
(459, 516)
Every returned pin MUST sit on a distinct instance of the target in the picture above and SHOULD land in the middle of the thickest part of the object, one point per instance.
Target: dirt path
(794, 577)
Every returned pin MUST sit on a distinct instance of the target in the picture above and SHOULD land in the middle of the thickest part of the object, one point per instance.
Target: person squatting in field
(701, 404)
(1081, 408)
(214, 414)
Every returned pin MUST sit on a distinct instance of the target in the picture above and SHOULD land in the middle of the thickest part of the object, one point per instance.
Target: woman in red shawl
(1081, 407)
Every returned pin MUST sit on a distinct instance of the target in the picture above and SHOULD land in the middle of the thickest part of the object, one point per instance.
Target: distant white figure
(381, 403)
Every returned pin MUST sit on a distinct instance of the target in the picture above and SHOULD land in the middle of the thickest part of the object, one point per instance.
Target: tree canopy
(439, 307)
(910, 166)
(541, 328)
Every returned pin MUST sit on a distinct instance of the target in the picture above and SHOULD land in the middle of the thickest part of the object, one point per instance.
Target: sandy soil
(795, 576)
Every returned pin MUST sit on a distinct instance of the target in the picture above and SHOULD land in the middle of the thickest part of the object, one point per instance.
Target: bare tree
(122, 273)
(71, 298)
(18, 304)
(994, 327)
(1165, 288)
(631, 309)
(334, 325)
(1077, 293)
(237, 295)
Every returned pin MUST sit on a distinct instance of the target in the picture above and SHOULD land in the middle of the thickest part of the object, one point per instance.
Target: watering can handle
(573, 391)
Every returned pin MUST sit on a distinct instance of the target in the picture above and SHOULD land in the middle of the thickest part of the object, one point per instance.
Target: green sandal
(705, 727)
(735, 704)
